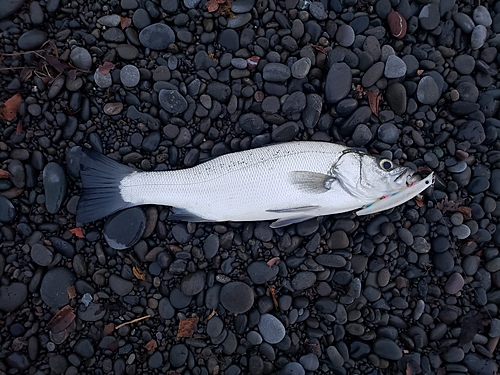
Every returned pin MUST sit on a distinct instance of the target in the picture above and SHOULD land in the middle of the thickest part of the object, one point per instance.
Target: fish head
(369, 177)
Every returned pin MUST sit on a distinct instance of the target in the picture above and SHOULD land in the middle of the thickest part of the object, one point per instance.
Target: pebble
(394, 67)
(271, 329)
(130, 76)
(293, 368)
(81, 58)
(428, 91)
(32, 39)
(478, 36)
(387, 349)
(13, 296)
(172, 101)
(345, 35)
(276, 72)
(338, 82)
(10, 7)
(41, 255)
(124, 229)
(157, 36)
(54, 287)
(301, 68)
(454, 284)
(237, 297)
(55, 187)
(7, 210)
(260, 273)
(119, 285)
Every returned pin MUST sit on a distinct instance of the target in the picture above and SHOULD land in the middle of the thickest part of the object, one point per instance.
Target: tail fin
(101, 177)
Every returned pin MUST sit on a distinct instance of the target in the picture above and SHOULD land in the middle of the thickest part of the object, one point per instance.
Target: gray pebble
(157, 36)
(428, 91)
(32, 39)
(301, 68)
(394, 67)
(478, 36)
(12, 296)
(119, 285)
(41, 255)
(110, 20)
(276, 72)
(387, 349)
(454, 284)
(482, 16)
(178, 355)
(317, 10)
(172, 101)
(338, 82)
(124, 229)
(130, 76)
(7, 210)
(237, 297)
(303, 280)
(54, 287)
(55, 186)
(81, 58)
(271, 329)
(292, 368)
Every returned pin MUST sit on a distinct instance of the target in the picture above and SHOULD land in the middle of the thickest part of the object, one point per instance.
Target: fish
(286, 183)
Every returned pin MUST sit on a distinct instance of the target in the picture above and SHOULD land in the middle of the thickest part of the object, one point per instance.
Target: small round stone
(7, 210)
(124, 229)
(54, 288)
(271, 329)
(55, 186)
(454, 284)
(237, 297)
(157, 36)
(12, 296)
(41, 255)
(130, 76)
(172, 101)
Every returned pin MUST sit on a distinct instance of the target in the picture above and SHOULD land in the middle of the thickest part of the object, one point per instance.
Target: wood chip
(138, 273)
(151, 345)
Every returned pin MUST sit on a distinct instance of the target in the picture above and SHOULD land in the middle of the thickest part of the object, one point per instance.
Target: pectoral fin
(311, 182)
(296, 210)
(181, 214)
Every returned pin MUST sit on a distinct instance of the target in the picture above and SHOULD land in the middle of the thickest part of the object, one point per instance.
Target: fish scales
(248, 185)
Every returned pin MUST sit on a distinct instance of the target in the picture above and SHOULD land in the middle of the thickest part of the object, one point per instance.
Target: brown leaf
(125, 22)
(466, 211)
(9, 110)
(151, 345)
(138, 273)
(273, 295)
(106, 67)
(61, 320)
(187, 327)
(212, 5)
(373, 100)
(109, 328)
(57, 64)
(273, 261)
(78, 232)
(4, 173)
(71, 291)
(320, 49)
(19, 128)
(26, 73)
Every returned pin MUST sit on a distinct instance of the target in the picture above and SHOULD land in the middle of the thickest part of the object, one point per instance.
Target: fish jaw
(398, 197)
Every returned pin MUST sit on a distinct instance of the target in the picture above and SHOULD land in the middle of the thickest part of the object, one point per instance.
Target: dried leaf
(71, 74)
(78, 232)
(138, 273)
(9, 110)
(320, 49)
(273, 261)
(373, 101)
(212, 5)
(273, 295)
(125, 22)
(71, 292)
(187, 327)
(26, 73)
(19, 128)
(151, 345)
(57, 64)
(109, 328)
(106, 67)
(466, 211)
(4, 173)
(61, 320)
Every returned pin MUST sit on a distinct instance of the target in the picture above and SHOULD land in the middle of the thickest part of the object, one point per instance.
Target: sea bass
(287, 183)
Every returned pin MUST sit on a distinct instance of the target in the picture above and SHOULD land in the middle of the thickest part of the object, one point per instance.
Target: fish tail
(101, 177)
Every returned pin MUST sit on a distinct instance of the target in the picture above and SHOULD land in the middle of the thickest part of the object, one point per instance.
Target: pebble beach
(168, 84)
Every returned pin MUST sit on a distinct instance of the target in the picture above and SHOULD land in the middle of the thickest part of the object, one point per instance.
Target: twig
(132, 321)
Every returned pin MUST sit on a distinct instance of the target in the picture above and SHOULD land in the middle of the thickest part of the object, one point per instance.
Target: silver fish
(288, 183)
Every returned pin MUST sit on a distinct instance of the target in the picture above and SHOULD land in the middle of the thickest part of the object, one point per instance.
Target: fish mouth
(407, 175)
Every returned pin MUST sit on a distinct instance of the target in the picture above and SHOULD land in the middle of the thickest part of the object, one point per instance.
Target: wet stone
(7, 210)
(12, 296)
(338, 82)
(172, 101)
(157, 36)
(54, 287)
(81, 58)
(454, 284)
(55, 186)
(482, 16)
(84, 348)
(428, 91)
(32, 39)
(345, 35)
(114, 35)
(124, 229)
(387, 349)
(301, 68)
(478, 37)
(292, 368)
(155, 360)
(41, 255)
(129, 76)
(178, 355)
(252, 123)
(394, 67)
(310, 362)
(10, 7)
(303, 280)
(193, 283)
(271, 329)
(237, 297)
(388, 133)
(276, 72)
(260, 273)
(119, 285)
(429, 16)
(111, 20)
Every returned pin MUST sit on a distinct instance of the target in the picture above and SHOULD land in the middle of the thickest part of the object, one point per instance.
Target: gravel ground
(168, 84)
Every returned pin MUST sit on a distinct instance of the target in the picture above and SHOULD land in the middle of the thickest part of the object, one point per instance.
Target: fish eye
(385, 164)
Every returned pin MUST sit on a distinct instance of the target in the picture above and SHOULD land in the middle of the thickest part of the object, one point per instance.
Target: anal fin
(289, 221)
(181, 214)
(302, 209)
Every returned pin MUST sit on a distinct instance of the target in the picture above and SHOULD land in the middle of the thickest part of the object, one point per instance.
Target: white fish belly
(245, 186)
